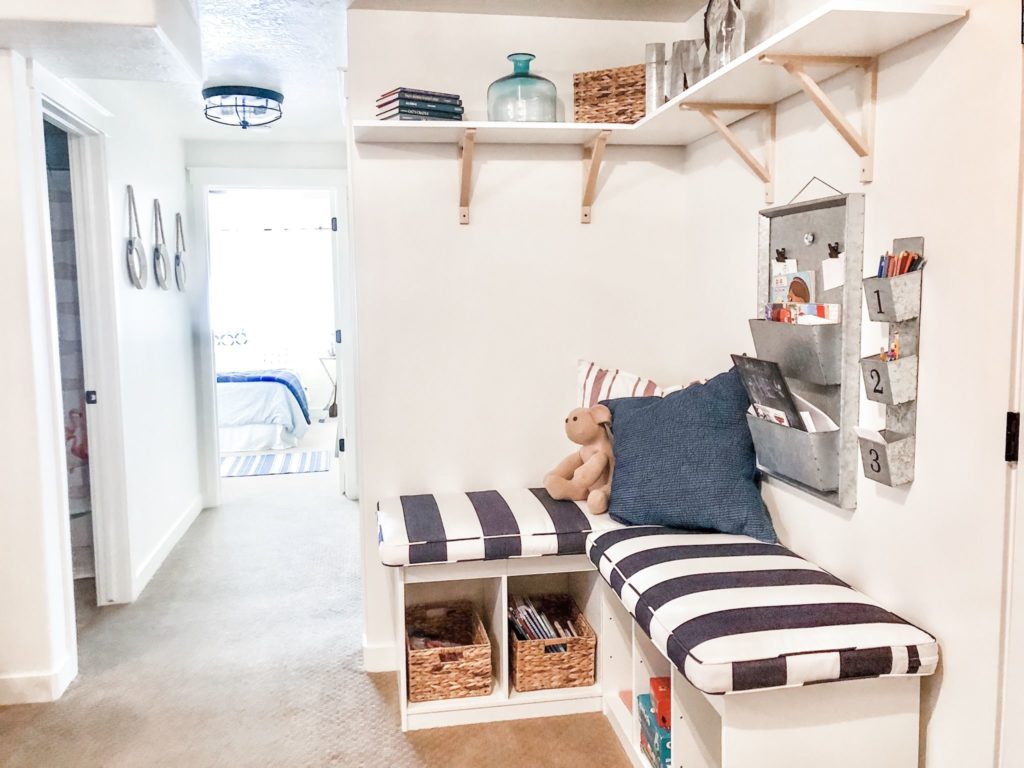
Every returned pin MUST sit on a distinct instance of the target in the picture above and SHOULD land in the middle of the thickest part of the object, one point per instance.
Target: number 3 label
(875, 464)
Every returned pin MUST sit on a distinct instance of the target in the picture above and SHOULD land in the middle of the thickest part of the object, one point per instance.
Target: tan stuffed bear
(586, 475)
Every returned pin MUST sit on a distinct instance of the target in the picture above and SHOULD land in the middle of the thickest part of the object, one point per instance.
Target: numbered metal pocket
(809, 458)
(810, 353)
(890, 462)
(893, 299)
(890, 381)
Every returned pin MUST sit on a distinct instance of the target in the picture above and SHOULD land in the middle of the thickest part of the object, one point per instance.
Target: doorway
(272, 313)
(72, 359)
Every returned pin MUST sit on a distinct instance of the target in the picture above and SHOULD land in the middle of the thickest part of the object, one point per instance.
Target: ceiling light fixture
(242, 105)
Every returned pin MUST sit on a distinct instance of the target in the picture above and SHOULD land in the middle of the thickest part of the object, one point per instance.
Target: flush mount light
(242, 105)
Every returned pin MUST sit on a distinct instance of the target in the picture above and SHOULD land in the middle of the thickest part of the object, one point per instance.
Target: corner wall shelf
(836, 37)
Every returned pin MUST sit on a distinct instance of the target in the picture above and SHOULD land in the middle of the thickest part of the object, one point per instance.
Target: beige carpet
(244, 651)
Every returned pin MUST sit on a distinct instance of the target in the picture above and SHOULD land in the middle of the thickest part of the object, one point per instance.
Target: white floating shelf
(451, 132)
(844, 28)
(836, 37)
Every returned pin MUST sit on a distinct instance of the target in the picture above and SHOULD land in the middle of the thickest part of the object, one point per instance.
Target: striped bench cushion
(483, 525)
(735, 614)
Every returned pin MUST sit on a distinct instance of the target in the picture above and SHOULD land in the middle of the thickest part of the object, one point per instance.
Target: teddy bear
(587, 473)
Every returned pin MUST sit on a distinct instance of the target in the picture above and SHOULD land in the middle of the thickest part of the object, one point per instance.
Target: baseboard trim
(379, 658)
(152, 563)
(38, 687)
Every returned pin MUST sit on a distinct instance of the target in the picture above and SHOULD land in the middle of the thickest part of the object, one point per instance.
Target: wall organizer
(838, 36)
(896, 301)
(135, 251)
(161, 262)
(820, 362)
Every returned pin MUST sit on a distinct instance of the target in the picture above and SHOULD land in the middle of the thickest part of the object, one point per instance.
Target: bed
(261, 410)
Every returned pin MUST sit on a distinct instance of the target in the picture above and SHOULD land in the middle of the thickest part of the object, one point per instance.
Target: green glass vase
(521, 97)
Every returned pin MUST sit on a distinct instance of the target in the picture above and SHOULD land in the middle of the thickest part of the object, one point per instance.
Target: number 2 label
(876, 379)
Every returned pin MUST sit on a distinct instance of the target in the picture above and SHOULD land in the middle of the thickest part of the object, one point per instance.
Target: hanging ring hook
(135, 253)
(179, 253)
(161, 262)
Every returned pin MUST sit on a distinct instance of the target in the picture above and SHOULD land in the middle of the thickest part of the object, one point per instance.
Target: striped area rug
(289, 463)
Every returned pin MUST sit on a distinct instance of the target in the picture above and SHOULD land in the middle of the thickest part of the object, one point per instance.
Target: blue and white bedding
(261, 410)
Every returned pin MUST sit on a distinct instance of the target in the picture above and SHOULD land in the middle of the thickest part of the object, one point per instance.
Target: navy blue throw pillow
(687, 461)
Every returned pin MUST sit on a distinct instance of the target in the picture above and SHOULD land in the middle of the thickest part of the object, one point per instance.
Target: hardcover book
(768, 391)
(421, 114)
(418, 104)
(421, 118)
(803, 314)
(793, 288)
(413, 93)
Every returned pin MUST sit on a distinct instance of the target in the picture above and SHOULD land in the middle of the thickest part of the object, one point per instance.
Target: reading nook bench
(742, 629)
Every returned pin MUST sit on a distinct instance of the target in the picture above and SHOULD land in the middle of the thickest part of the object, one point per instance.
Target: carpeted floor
(244, 651)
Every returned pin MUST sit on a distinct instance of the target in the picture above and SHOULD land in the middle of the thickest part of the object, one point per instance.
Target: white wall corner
(156, 558)
(38, 687)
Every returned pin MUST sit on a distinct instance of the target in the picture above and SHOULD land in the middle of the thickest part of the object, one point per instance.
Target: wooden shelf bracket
(763, 171)
(466, 145)
(862, 142)
(593, 155)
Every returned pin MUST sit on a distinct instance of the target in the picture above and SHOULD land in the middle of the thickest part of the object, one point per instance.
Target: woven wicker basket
(534, 669)
(609, 95)
(448, 673)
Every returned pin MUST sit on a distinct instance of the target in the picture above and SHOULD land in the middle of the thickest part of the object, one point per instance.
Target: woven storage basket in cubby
(534, 669)
(448, 673)
(609, 95)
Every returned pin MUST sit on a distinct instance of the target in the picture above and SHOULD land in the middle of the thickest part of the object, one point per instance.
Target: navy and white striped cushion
(736, 614)
(483, 525)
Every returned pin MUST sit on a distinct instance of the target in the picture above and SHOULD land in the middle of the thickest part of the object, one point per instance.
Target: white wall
(946, 168)
(155, 336)
(247, 152)
(469, 334)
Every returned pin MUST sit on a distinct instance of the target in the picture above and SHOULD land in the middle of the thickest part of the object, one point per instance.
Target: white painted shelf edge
(842, 28)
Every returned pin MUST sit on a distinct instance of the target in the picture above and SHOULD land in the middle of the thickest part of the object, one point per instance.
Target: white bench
(742, 628)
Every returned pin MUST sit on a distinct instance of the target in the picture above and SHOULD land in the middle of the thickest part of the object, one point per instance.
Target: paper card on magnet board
(833, 272)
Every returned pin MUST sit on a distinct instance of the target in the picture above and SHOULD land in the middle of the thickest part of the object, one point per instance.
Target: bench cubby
(488, 585)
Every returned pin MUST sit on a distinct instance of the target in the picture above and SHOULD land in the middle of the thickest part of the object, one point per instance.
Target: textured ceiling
(292, 46)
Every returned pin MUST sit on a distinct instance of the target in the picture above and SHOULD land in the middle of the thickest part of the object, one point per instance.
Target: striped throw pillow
(597, 384)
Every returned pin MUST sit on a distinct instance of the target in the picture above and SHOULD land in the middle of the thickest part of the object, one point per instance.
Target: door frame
(1009, 736)
(201, 179)
(82, 118)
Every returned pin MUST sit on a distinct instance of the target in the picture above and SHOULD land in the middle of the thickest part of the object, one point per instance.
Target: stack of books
(527, 622)
(413, 104)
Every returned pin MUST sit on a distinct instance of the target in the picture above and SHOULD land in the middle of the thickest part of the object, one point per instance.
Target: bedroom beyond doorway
(272, 309)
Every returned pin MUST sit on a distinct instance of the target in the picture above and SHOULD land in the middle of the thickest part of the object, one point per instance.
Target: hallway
(244, 650)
